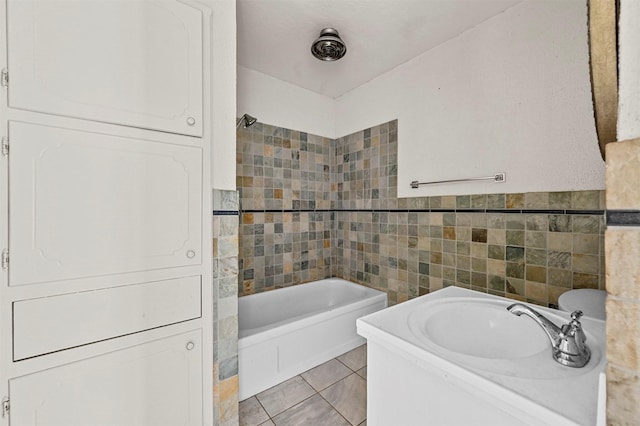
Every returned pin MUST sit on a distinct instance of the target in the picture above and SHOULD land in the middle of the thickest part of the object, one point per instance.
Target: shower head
(329, 46)
(247, 120)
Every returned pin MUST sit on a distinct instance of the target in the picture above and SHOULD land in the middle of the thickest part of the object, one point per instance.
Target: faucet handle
(572, 349)
(575, 325)
(574, 328)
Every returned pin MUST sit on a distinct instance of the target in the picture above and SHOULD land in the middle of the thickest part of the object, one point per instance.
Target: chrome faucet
(567, 342)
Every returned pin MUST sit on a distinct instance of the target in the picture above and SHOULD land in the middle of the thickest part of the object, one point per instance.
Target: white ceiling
(275, 36)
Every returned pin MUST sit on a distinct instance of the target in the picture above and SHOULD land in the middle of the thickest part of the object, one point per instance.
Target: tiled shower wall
(530, 246)
(285, 187)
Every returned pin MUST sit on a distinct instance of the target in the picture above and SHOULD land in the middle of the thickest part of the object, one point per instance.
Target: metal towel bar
(498, 178)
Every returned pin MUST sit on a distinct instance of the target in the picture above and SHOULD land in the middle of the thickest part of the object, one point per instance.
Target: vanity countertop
(526, 378)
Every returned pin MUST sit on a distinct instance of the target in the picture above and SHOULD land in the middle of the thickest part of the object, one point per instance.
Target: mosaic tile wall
(280, 169)
(282, 249)
(225, 302)
(531, 246)
(522, 256)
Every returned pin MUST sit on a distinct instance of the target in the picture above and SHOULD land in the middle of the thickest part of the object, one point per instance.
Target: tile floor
(333, 393)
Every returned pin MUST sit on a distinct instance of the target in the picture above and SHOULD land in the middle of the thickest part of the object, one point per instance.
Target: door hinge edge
(5, 259)
(5, 146)
(4, 77)
(5, 407)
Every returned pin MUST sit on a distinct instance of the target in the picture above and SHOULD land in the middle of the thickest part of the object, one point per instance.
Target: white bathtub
(287, 331)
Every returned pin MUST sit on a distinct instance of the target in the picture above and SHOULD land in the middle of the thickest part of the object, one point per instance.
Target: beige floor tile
(355, 359)
(252, 413)
(268, 423)
(285, 395)
(326, 374)
(363, 372)
(363, 423)
(349, 397)
(313, 411)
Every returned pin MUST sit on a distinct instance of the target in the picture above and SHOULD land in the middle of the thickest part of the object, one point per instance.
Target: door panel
(157, 383)
(85, 204)
(49, 324)
(137, 63)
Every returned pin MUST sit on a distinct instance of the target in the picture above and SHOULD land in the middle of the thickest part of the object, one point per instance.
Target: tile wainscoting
(313, 208)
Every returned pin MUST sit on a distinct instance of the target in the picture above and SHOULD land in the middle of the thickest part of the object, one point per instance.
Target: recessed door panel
(85, 204)
(136, 63)
(157, 383)
(49, 324)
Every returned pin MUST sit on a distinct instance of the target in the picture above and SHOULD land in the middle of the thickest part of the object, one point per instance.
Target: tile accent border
(623, 217)
(225, 213)
(497, 211)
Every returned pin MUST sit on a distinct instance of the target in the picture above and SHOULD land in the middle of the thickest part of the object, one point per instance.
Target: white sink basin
(480, 333)
(459, 345)
(481, 328)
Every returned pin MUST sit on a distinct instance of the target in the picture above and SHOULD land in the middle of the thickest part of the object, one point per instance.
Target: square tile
(285, 395)
(326, 374)
(349, 397)
(355, 359)
(623, 321)
(623, 396)
(313, 411)
(623, 173)
(623, 250)
(252, 413)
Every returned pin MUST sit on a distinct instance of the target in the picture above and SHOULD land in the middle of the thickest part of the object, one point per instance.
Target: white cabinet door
(156, 383)
(131, 62)
(53, 323)
(86, 204)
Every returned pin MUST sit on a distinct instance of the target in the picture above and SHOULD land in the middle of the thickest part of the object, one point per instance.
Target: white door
(130, 62)
(86, 204)
(157, 383)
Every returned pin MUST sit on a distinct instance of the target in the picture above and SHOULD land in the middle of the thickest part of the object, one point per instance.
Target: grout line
(306, 399)
(263, 408)
(330, 384)
(350, 369)
(336, 409)
(316, 392)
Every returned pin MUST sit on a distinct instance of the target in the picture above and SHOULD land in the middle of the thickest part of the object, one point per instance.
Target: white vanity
(458, 357)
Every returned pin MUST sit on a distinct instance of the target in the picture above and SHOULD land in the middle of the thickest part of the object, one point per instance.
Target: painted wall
(282, 104)
(224, 94)
(510, 95)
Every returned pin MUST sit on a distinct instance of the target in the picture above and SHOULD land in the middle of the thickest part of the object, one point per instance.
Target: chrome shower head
(247, 120)
(329, 46)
